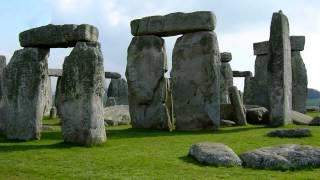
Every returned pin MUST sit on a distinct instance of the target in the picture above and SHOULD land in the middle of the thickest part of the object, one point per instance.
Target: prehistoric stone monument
(194, 77)
(3, 64)
(25, 85)
(226, 77)
(118, 89)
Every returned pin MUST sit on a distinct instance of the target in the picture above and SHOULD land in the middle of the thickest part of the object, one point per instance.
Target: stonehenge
(118, 89)
(226, 77)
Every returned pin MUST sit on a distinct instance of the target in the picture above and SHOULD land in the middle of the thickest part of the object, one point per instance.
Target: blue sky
(239, 24)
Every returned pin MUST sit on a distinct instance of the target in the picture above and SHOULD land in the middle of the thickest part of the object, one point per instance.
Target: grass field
(140, 154)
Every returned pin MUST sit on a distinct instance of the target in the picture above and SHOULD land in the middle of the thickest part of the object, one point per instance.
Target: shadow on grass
(141, 133)
(190, 160)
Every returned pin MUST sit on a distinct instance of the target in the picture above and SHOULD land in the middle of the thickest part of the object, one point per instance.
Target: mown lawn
(140, 154)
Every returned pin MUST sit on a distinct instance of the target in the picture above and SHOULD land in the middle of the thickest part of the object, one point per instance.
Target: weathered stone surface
(242, 73)
(3, 64)
(47, 96)
(226, 57)
(23, 93)
(227, 112)
(315, 122)
(287, 156)
(196, 98)
(55, 72)
(53, 112)
(174, 24)
(118, 89)
(227, 123)
(299, 82)
(146, 65)
(226, 81)
(112, 75)
(299, 132)
(261, 48)
(215, 154)
(82, 89)
(279, 71)
(297, 43)
(300, 119)
(257, 115)
(239, 109)
(57, 97)
(117, 115)
(55, 36)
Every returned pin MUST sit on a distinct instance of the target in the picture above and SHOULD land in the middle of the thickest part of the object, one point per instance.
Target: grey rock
(279, 71)
(299, 82)
(196, 98)
(257, 115)
(118, 88)
(299, 132)
(58, 36)
(227, 112)
(82, 89)
(23, 97)
(215, 154)
(112, 75)
(226, 57)
(3, 64)
(300, 119)
(146, 65)
(315, 122)
(53, 112)
(47, 96)
(227, 123)
(297, 43)
(57, 97)
(111, 101)
(174, 24)
(261, 48)
(242, 73)
(55, 72)
(282, 157)
(226, 81)
(117, 115)
(239, 108)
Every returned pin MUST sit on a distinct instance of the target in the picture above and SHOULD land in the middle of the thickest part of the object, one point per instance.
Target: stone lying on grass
(315, 122)
(226, 123)
(287, 156)
(257, 115)
(301, 132)
(300, 119)
(214, 154)
(117, 115)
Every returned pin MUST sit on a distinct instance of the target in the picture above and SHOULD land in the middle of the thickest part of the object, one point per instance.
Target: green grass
(313, 114)
(140, 154)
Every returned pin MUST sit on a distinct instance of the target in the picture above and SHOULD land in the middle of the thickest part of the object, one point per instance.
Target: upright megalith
(118, 88)
(146, 65)
(238, 107)
(23, 93)
(299, 75)
(82, 90)
(58, 36)
(3, 64)
(226, 78)
(174, 24)
(279, 71)
(47, 96)
(196, 81)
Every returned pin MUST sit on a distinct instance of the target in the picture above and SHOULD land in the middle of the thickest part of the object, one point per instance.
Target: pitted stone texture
(297, 43)
(242, 73)
(174, 24)
(112, 75)
(23, 93)
(261, 48)
(226, 57)
(290, 133)
(215, 154)
(118, 88)
(238, 107)
(299, 82)
(282, 157)
(58, 36)
(146, 65)
(226, 81)
(279, 71)
(82, 89)
(196, 97)
(55, 72)
(47, 96)
(57, 97)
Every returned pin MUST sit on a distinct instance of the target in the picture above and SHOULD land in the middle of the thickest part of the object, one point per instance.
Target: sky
(239, 24)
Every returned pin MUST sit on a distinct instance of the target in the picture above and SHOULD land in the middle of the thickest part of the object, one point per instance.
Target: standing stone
(196, 81)
(2, 66)
(47, 96)
(146, 65)
(299, 75)
(238, 106)
(82, 89)
(279, 71)
(118, 88)
(23, 85)
(57, 97)
(53, 112)
(226, 79)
